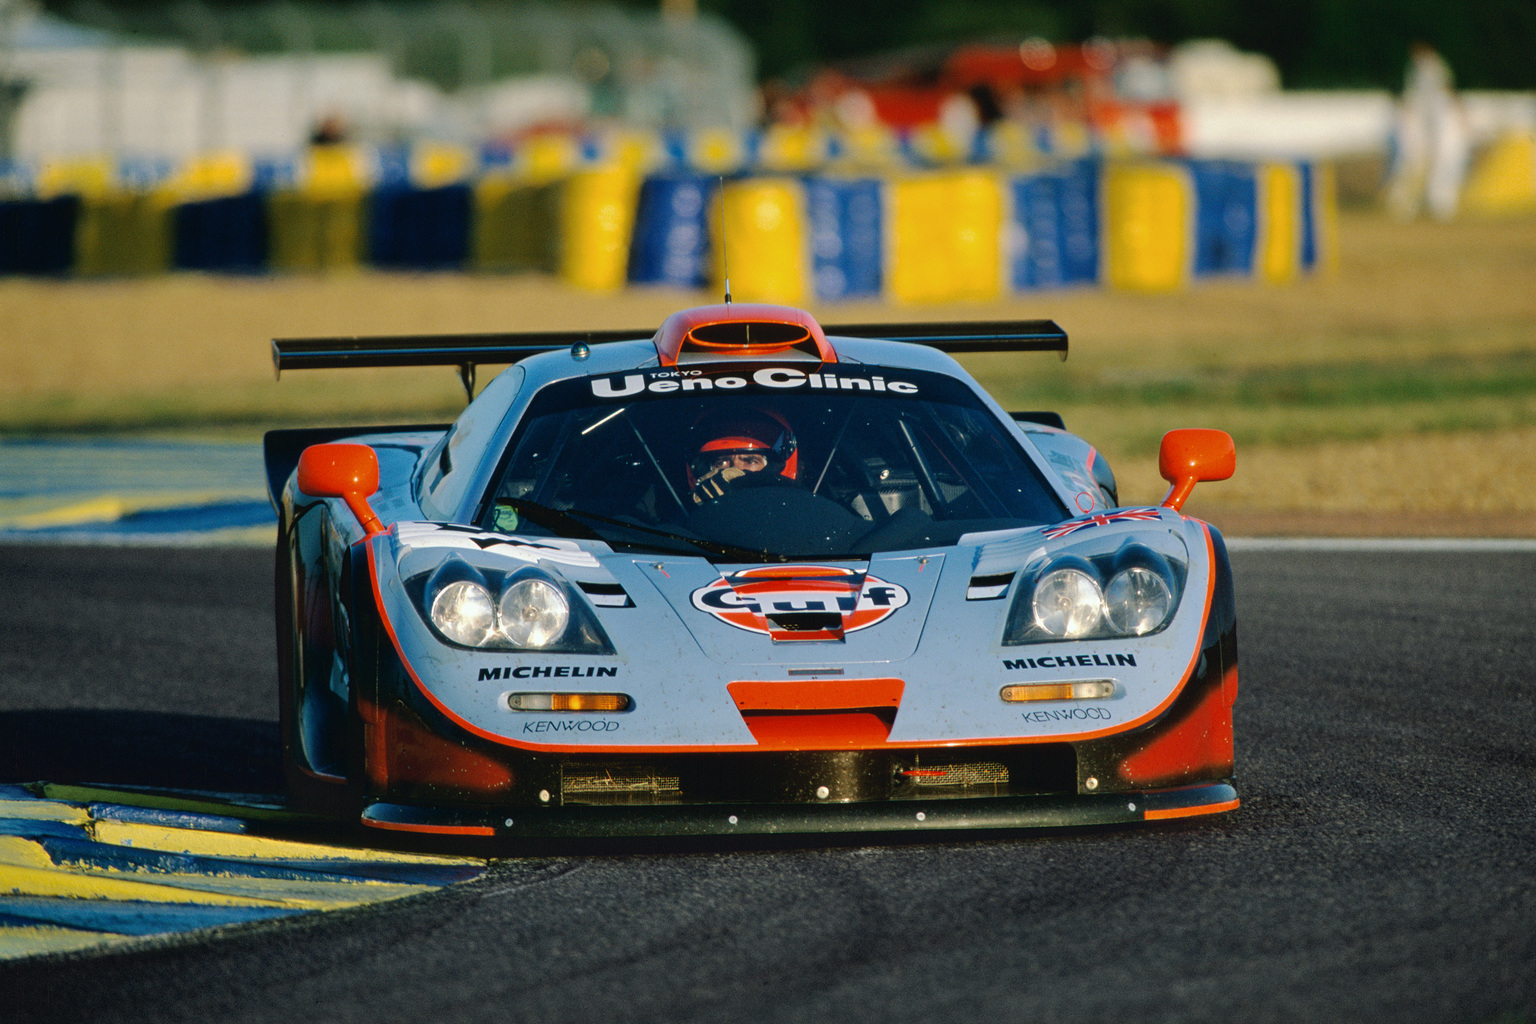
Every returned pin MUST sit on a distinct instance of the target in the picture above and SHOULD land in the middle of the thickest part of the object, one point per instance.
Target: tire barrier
(966, 232)
(227, 234)
(670, 244)
(1319, 218)
(1226, 217)
(1502, 179)
(714, 151)
(337, 171)
(316, 210)
(1056, 227)
(597, 213)
(787, 149)
(1148, 225)
(516, 226)
(419, 229)
(37, 236)
(1280, 229)
(846, 219)
(309, 232)
(945, 241)
(123, 234)
(759, 240)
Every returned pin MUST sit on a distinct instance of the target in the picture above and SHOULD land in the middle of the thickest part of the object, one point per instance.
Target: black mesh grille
(604, 783)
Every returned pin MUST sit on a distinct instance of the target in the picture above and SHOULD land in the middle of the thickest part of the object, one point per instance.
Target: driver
(754, 446)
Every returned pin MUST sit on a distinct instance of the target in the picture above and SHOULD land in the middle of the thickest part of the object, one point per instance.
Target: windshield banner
(767, 378)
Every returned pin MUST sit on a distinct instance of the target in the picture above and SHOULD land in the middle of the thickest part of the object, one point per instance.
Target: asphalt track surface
(1382, 866)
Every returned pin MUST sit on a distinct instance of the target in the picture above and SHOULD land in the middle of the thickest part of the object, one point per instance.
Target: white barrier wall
(160, 103)
(1319, 124)
(1327, 125)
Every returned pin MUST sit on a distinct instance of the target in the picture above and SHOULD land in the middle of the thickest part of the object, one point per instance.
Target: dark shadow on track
(141, 748)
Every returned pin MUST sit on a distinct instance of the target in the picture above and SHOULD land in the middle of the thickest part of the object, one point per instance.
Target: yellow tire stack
(1148, 223)
(1278, 259)
(597, 217)
(119, 232)
(1502, 182)
(321, 225)
(516, 226)
(122, 233)
(761, 226)
(945, 237)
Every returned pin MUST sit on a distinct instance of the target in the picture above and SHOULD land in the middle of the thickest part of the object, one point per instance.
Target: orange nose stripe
(818, 714)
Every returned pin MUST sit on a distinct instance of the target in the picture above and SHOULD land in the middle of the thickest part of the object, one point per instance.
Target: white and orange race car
(743, 575)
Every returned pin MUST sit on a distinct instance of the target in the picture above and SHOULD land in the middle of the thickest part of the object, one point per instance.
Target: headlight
(1138, 600)
(1065, 598)
(533, 613)
(465, 613)
(525, 609)
(1068, 603)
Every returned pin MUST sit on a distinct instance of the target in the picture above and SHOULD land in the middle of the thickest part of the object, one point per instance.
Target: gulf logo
(748, 599)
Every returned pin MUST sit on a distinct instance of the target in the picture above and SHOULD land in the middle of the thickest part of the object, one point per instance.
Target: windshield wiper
(554, 519)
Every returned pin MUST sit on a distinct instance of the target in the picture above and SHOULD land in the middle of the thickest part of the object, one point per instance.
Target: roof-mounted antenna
(725, 258)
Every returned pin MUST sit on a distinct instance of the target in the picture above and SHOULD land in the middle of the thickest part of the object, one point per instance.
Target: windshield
(765, 462)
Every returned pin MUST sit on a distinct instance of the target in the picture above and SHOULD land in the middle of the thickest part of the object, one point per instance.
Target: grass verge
(1403, 384)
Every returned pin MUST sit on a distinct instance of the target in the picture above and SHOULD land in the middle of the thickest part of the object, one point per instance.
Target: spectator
(1431, 141)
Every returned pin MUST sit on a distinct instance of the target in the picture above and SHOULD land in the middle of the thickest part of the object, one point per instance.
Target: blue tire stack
(670, 245)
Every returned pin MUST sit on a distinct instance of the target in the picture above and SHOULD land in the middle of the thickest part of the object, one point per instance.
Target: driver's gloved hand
(715, 483)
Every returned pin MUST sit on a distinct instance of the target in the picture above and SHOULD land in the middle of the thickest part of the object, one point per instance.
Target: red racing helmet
(747, 432)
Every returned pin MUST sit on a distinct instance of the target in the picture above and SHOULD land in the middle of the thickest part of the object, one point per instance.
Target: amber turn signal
(599, 702)
(1093, 689)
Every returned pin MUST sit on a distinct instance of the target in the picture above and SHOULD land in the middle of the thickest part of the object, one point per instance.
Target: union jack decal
(1125, 515)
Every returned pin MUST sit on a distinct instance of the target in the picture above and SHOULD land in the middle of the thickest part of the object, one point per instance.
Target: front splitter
(657, 820)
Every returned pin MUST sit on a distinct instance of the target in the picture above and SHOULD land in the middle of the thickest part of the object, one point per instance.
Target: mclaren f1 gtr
(743, 574)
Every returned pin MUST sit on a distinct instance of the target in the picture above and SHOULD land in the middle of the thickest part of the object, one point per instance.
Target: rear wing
(965, 335)
(466, 351)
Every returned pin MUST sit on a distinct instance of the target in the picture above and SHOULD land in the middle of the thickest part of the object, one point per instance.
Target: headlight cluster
(523, 610)
(1068, 598)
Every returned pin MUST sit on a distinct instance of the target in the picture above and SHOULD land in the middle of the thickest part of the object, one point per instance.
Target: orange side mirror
(346, 471)
(1191, 455)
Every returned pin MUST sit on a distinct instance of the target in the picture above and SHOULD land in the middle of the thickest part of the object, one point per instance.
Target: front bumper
(684, 820)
